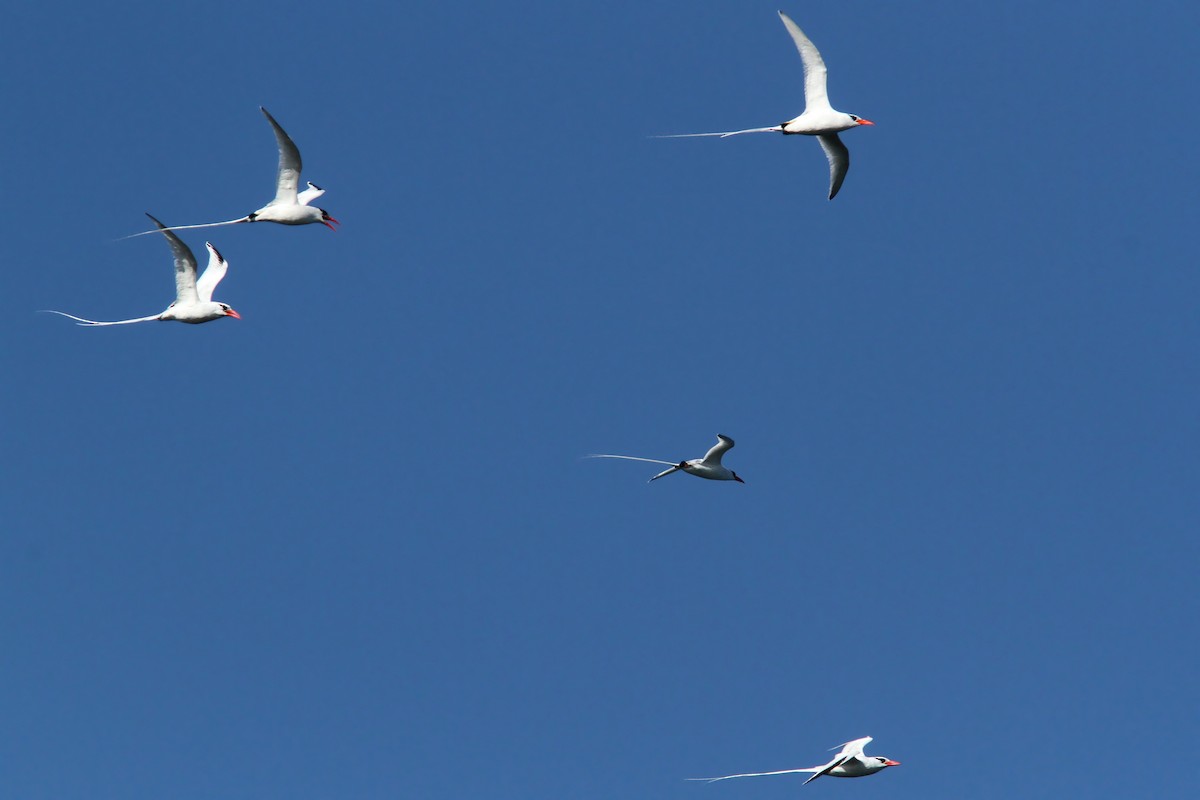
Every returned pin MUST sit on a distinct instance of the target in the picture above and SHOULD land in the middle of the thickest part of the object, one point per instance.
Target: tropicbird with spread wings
(851, 762)
(708, 467)
(290, 207)
(193, 296)
(819, 118)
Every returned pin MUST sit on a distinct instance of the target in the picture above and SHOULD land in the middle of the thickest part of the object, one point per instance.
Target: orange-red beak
(865, 122)
(328, 220)
(890, 763)
(232, 313)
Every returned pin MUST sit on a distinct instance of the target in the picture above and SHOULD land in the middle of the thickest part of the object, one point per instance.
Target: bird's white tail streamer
(185, 227)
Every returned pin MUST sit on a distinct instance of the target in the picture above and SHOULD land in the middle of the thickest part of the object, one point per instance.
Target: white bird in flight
(707, 467)
(819, 118)
(289, 206)
(193, 297)
(851, 762)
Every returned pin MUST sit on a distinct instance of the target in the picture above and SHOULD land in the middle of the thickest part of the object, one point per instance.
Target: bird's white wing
(289, 164)
(311, 193)
(82, 321)
(757, 774)
(665, 473)
(828, 768)
(839, 160)
(713, 456)
(630, 458)
(723, 134)
(185, 266)
(815, 98)
(213, 274)
(855, 748)
(187, 227)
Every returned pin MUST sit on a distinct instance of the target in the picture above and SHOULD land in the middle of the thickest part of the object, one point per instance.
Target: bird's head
(859, 120)
(886, 762)
(735, 476)
(326, 219)
(229, 312)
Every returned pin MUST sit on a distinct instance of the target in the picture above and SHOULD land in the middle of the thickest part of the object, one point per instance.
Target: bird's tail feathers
(721, 134)
(629, 458)
(185, 227)
(93, 323)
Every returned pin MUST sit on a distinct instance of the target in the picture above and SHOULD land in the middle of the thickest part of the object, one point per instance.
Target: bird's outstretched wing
(815, 96)
(665, 473)
(311, 193)
(855, 747)
(288, 177)
(828, 768)
(839, 160)
(713, 456)
(185, 265)
(213, 273)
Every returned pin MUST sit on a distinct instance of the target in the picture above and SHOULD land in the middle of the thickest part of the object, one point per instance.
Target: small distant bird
(193, 297)
(819, 119)
(288, 207)
(852, 762)
(707, 467)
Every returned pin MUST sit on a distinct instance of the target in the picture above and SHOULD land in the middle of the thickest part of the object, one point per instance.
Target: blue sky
(347, 547)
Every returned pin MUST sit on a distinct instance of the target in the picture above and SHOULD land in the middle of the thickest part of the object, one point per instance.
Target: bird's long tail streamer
(631, 458)
(186, 227)
(92, 322)
(722, 134)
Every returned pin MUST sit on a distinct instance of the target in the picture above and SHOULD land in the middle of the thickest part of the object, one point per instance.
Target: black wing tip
(215, 252)
(156, 221)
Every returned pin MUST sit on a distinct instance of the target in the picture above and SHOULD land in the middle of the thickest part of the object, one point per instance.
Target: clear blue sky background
(347, 547)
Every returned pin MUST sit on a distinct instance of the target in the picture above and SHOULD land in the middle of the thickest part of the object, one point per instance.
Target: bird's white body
(290, 206)
(193, 296)
(819, 119)
(288, 214)
(851, 762)
(709, 467)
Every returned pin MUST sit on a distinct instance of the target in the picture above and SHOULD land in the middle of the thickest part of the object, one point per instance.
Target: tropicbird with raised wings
(290, 206)
(819, 118)
(193, 296)
(851, 762)
(708, 467)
